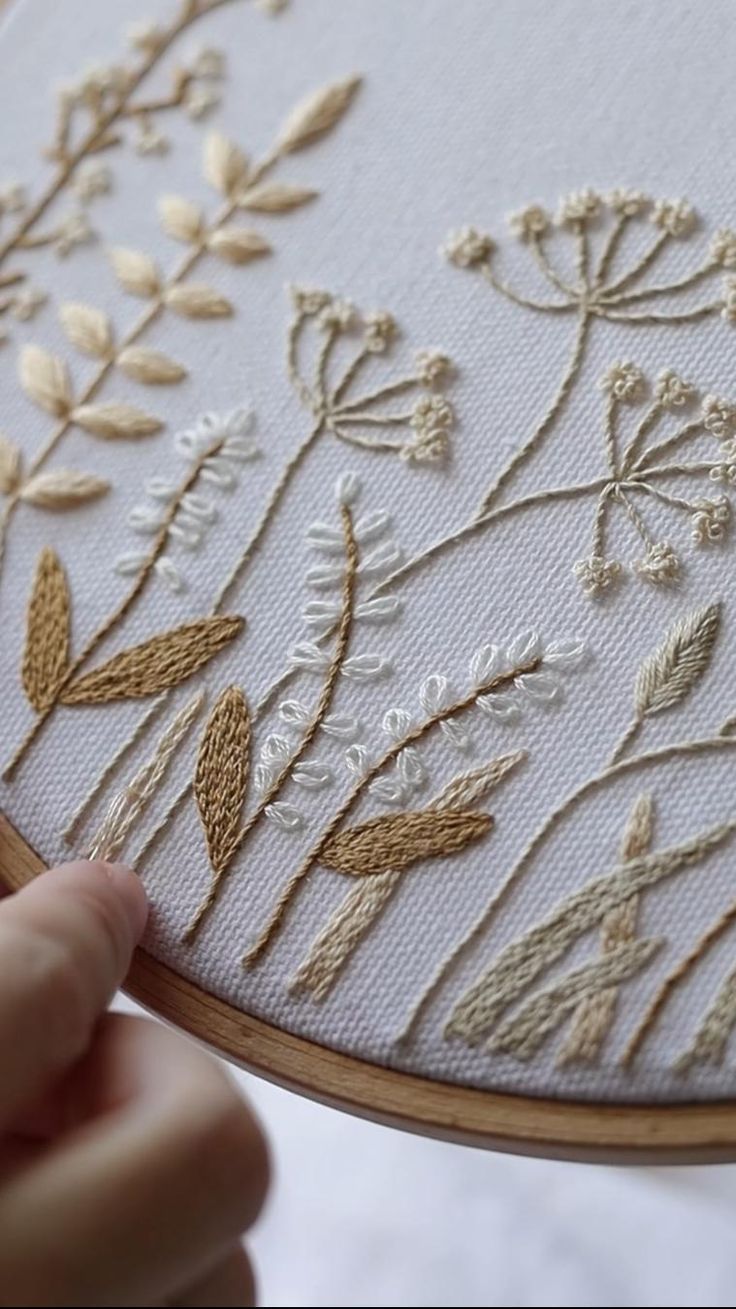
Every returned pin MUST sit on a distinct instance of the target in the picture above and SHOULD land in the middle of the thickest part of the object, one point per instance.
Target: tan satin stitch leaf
(62, 489)
(116, 421)
(195, 300)
(221, 776)
(396, 841)
(276, 197)
(11, 463)
(88, 329)
(238, 245)
(149, 366)
(46, 653)
(45, 380)
(163, 661)
(180, 219)
(225, 165)
(316, 115)
(136, 272)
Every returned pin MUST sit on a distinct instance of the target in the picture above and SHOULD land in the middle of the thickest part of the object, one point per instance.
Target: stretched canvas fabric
(466, 113)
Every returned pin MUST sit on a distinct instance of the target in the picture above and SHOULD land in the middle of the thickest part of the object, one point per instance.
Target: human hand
(129, 1165)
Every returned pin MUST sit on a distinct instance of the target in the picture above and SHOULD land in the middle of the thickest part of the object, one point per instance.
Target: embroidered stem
(631, 453)
(690, 316)
(641, 266)
(610, 247)
(321, 709)
(119, 613)
(542, 258)
(292, 886)
(631, 297)
(581, 232)
(349, 376)
(523, 300)
(609, 432)
(694, 428)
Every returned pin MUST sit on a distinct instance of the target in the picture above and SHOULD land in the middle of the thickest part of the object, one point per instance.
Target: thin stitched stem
(690, 315)
(523, 300)
(383, 393)
(121, 610)
(321, 709)
(367, 442)
(609, 432)
(674, 501)
(672, 981)
(631, 733)
(643, 429)
(372, 420)
(610, 247)
(635, 517)
(483, 921)
(694, 428)
(101, 127)
(292, 886)
(293, 339)
(323, 359)
(581, 232)
(349, 376)
(641, 265)
(542, 259)
(531, 445)
(599, 523)
(632, 297)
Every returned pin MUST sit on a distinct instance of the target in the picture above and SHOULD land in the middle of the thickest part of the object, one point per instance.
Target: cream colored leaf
(468, 788)
(88, 329)
(670, 674)
(46, 653)
(318, 114)
(180, 218)
(62, 489)
(10, 465)
(136, 272)
(237, 244)
(276, 197)
(194, 300)
(396, 841)
(155, 665)
(149, 366)
(221, 776)
(44, 378)
(225, 165)
(114, 421)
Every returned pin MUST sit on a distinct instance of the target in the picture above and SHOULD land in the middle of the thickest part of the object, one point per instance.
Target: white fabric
(468, 111)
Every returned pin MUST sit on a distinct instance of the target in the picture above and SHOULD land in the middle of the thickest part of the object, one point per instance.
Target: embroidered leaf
(136, 272)
(670, 674)
(316, 115)
(180, 218)
(194, 300)
(113, 421)
(468, 788)
(237, 244)
(221, 776)
(395, 841)
(62, 489)
(88, 329)
(45, 379)
(276, 198)
(10, 465)
(225, 165)
(149, 366)
(161, 662)
(46, 654)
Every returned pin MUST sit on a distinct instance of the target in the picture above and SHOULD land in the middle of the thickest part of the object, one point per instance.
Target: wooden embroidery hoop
(554, 1129)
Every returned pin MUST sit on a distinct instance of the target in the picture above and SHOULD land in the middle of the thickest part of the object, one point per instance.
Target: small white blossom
(660, 564)
(675, 217)
(529, 223)
(596, 574)
(724, 473)
(427, 448)
(347, 488)
(396, 723)
(309, 300)
(467, 247)
(624, 381)
(672, 391)
(380, 331)
(91, 179)
(722, 248)
(729, 299)
(710, 520)
(233, 428)
(337, 315)
(432, 367)
(628, 203)
(579, 207)
(434, 693)
(719, 417)
(430, 413)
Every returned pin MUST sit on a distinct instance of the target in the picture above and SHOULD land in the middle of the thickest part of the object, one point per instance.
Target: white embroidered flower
(309, 300)
(660, 564)
(596, 574)
(722, 248)
(467, 247)
(150, 141)
(430, 413)
(91, 179)
(396, 723)
(623, 380)
(724, 473)
(672, 391)
(26, 303)
(432, 367)
(710, 521)
(146, 37)
(380, 330)
(209, 63)
(356, 760)
(729, 299)
(428, 447)
(529, 223)
(719, 417)
(12, 198)
(201, 100)
(337, 316)
(579, 207)
(676, 217)
(72, 231)
(348, 488)
(234, 428)
(628, 203)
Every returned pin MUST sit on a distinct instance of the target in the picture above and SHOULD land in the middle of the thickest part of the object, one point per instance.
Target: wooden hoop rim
(553, 1129)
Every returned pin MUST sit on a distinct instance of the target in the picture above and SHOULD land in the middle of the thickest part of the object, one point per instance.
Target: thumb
(66, 942)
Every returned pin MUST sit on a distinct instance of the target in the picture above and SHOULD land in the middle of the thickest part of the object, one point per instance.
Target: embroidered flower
(308, 300)
(596, 574)
(200, 100)
(676, 217)
(27, 302)
(672, 391)
(660, 564)
(729, 299)
(380, 331)
(628, 203)
(432, 413)
(150, 141)
(579, 207)
(427, 448)
(432, 367)
(337, 315)
(722, 248)
(72, 231)
(529, 223)
(467, 247)
(91, 179)
(209, 63)
(711, 520)
(12, 198)
(719, 417)
(624, 381)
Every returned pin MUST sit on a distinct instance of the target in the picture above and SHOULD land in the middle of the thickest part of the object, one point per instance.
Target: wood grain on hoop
(697, 1133)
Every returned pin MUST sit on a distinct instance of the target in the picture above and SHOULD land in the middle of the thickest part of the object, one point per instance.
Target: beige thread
(127, 807)
(711, 1039)
(594, 1015)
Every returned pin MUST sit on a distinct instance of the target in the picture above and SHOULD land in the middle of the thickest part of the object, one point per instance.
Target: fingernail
(129, 889)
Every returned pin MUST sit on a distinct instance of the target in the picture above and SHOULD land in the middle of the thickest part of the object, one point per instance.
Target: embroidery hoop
(515, 1124)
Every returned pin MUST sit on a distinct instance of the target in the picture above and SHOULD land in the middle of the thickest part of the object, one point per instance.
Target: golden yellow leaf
(316, 115)
(180, 218)
(62, 489)
(10, 465)
(276, 197)
(88, 329)
(237, 244)
(44, 378)
(136, 272)
(116, 421)
(149, 366)
(225, 165)
(221, 776)
(194, 300)
(163, 661)
(395, 841)
(46, 653)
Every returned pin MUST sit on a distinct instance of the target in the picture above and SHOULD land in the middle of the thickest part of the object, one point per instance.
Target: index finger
(66, 942)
